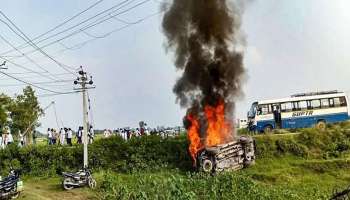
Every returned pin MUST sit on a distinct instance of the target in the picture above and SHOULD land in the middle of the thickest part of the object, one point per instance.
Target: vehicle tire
(92, 183)
(15, 196)
(321, 125)
(249, 163)
(267, 129)
(66, 184)
(207, 165)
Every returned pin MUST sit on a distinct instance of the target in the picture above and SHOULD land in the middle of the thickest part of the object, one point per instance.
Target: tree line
(20, 112)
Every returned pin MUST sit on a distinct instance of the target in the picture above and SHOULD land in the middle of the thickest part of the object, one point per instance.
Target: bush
(151, 153)
(144, 153)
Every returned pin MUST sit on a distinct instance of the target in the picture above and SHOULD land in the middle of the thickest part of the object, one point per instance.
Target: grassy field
(285, 177)
(51, 189)
(295, 174)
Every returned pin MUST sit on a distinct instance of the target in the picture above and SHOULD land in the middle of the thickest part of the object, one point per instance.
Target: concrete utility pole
(83, 80)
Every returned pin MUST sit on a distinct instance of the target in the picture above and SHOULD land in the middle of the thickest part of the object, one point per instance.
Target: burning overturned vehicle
(206, 40)
(217, 148)
(230, 156)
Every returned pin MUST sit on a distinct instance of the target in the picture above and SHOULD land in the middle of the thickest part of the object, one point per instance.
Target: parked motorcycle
(11, 186)
(81, 178)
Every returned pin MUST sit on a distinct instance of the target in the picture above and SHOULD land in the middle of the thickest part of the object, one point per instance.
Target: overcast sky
(292, 46)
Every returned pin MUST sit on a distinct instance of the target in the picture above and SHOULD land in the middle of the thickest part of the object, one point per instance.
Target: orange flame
(194, 137)
(219, 130)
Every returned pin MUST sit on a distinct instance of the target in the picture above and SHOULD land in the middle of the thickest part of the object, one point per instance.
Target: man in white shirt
(62, 136)
(91, 135)
(69, 136)
(105, 133)
(21, 138)
(9, 138)
(49, 136)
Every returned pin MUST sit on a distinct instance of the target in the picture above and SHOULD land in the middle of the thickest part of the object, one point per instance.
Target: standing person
(146, 131)
(105, 133)
(69, 136)
(62, 136)
(34, 136)
(21, 138)
(91, 135)
(1, 142)
(9, 137)
(49, 136)
(79, 134)
(54, 136)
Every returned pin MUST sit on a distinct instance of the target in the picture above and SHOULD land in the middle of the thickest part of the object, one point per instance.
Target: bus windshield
(252, 111)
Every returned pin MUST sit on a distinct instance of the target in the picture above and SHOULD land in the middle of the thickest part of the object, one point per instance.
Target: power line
(62, 93)
(28, 77)
(25, 68)
(32, 61)
(31, 84)
(40, 83)
(32, 44)
(82, 44)
(66, 21)
(86, 27)
(70, 28)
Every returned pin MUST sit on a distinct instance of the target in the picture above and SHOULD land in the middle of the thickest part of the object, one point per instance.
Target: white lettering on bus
(302, 113)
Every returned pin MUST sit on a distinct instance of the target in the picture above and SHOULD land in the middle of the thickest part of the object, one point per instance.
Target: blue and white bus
(304, 110)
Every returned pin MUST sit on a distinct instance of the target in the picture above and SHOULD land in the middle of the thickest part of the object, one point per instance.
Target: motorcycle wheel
(92, 183)
(66, 184)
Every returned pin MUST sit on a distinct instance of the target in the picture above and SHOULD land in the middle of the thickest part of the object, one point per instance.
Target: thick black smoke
(205, 37)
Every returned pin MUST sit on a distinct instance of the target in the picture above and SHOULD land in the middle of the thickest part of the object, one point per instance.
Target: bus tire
(267, 129)
(321, 125)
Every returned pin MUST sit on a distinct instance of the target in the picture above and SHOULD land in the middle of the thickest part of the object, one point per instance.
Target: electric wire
(71, 27)
(32, 61)
(25, 38)
(33, 85)
(28, 77)
(86, 27)
(39, 83)
(55, 112)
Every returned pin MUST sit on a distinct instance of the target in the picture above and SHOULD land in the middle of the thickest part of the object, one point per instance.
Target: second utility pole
(84, 81)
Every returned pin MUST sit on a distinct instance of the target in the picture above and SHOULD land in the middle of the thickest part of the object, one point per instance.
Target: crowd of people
(7, 138)
(65, 136)
(127, 133)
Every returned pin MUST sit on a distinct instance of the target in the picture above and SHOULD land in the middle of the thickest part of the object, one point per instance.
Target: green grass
(51, 189)
(279, 178)
(308, 164)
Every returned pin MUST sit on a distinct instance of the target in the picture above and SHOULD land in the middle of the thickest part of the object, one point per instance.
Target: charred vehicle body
(230, 156)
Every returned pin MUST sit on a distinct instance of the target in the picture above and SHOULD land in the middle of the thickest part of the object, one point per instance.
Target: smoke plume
(205, 38)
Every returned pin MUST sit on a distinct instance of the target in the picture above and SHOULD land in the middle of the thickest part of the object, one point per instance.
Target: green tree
(5, 104)
(25, 112)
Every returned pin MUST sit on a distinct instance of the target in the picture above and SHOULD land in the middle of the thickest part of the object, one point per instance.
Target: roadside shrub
(144, 153)
(152, 153)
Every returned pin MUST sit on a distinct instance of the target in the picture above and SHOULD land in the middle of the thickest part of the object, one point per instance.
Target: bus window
(331, 102)
(263, 109)
(324, 103)
(336, 102)
(309, 106)
(342, 101)
(316, 103)
(286, 107)
(302, 105)
(295, 106)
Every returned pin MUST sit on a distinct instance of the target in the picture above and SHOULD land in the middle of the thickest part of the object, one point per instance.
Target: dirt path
(51, 189)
